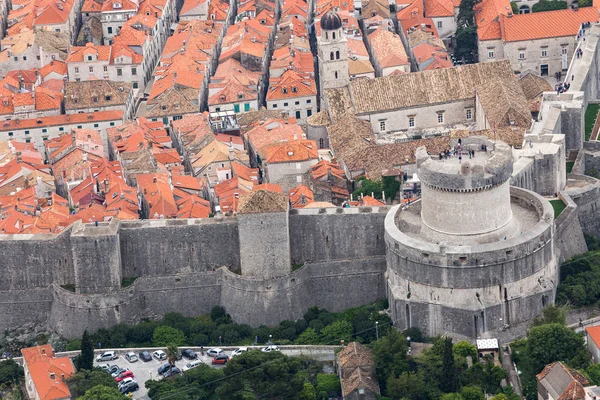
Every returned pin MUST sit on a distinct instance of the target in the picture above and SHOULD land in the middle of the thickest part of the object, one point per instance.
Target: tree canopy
(102, 392)
(10, 371)
(555, 342)
(85, 380)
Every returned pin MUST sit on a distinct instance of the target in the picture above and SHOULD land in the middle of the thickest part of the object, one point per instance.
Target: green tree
(555, 342)
(165, 335)
(367, 187)
(500, 396)
(472, 393)
(448, 379)
(337, 331)
(10, 371)
(172, 355)
(409, 385)
(308, 393)
(452, 396)
(593, 372)
(390, 356)
(552, 315)
(86, 359)
(328, 384)
(466, 43)
(465, 349)
(549, 5)
(219, 315)
(515, 7)
(309, 336)
(101, 392)
(84, 380)
(261, 375)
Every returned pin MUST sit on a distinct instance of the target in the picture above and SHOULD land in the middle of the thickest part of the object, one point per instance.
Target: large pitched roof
(533, 86)
(422, 88)
(47, 372)
(504, 103)
(546, 24)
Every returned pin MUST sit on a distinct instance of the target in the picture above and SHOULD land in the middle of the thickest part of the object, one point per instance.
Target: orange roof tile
(300, 196)
(47, 372)
(387, 48)
(189, 5)
(439, 8)
(270, 187)
(156, 189)
(487, 14)
(290, 85)
(546, 24)
(594, 333)
(54, 66)
(293, 151)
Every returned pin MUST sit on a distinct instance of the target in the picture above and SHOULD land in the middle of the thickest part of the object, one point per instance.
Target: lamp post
(377, 329)
(270, 341)
(150, 374)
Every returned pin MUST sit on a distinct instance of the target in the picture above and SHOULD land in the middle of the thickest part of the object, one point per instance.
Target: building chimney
(154, 180)
(43, 350)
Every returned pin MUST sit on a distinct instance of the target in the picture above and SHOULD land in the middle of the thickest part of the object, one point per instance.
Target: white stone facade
(298, 107)
(333, 59)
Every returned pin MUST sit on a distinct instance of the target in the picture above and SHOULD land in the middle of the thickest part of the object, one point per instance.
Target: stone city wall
(587, 199)
(339, 262)
(569, 235)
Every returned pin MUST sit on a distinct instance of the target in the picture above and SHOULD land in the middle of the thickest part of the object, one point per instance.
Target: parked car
(123, 375)
(119, 372)
(129, 387)
(107, 356)
(159, 355)
(192, 364)
(220, 359)
(270, 348)
(239, 351)
(131, 357)
(189, 354)
(111, 368)
(145, 356)
(170, 372)
(215, 351)
(125, 382)
(163, 368)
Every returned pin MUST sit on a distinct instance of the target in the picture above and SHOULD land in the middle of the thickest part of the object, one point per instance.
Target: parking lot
(144, 371)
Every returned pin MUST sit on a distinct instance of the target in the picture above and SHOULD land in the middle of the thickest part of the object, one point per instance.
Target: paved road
(144, 371)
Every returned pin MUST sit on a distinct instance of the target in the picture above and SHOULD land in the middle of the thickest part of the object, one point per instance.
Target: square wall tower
(264, 234)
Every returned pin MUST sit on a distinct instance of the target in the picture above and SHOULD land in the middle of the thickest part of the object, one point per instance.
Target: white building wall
(425, 117)
(446, 26)
(305, 106)
(39, 134)
(275, 172)
(593, 349)
(490, 50)
(534, 57)
(231, 106)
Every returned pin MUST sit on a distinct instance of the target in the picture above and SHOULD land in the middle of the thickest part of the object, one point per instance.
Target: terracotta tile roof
(79, 53)
(47, 372)
(54, 66)
(46, 99)
(244, 172)
(291, 85)
(547, 24)
(223, 138)
(533, 86)
(120, 5)
(512, 135)
(355, 355)
(487, 18)
(156, 189)
(323, 168)
(27, 152)
(562, 382)
(293, 151)
(91, 6)
(439, 8)
(87, 139)
(191, 206)
(262, 201)
(387, 48)
(358, 379)
(232, 68)
(74, 166)
(231, 91)
(594, 333)
(51, 12)
(504, 103)
(218, 8)
(271, 132)
(419, 88)
(299, 61)
(271, 187)
(300, 196)
(186, 182)
(228, 192)
(189, 5)
(95, 94)
(54, 85)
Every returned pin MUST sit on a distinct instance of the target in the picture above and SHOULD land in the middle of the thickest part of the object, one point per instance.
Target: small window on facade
(337, 55)
(308, 101)
(91, 69)
(331, 56)
(119, 72)
(544, 52)
(298, 116)
(521, 54)
(61, 129)
(439, 24)
(411, 122)
(76, 70)
(490, 53)
(274, 105)
(105, 68)
(135, 85)
(95, 125)
(44, 130)
(133, 71)
(27, 140)
(109, 29)
(440, 117)
(564, 50)
(308, 113)
(107, 97)
(24, 58)
(469, 114)
(297, 103)
(112, 124)
(381, 126)
(27, 132)
(285, 104)
(10, 133)
(89, 58)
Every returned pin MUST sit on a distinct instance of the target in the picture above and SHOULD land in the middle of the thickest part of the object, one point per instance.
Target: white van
(191, 365)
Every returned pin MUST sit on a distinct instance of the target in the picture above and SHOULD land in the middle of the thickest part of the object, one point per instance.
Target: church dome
(331, 21)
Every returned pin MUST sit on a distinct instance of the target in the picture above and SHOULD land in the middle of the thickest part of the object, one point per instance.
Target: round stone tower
(474, 255)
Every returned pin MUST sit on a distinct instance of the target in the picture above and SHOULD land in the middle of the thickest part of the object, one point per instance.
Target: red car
(123, 375)
(220, 359)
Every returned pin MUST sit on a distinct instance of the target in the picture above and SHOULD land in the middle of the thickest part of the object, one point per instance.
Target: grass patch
(69, 286)
(126, 282)
(558, 207)
(590, 117)
(570, 165)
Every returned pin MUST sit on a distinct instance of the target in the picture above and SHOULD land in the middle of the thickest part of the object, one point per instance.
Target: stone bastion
(474, 254)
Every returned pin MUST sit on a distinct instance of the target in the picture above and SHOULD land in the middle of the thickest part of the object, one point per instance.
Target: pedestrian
(572, 77)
